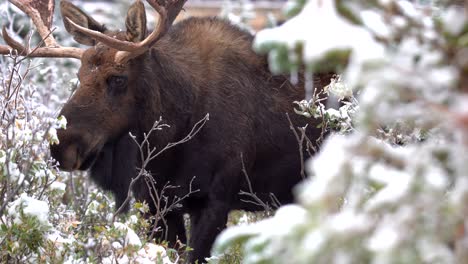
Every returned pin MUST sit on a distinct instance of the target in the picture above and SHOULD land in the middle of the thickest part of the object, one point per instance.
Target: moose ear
(73, 13)
(136, 22)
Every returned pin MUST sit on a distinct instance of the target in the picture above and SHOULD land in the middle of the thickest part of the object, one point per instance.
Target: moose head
(102, 109)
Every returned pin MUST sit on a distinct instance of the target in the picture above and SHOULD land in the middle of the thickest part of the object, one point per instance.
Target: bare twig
(300, 141)
(152, 153)
(162, 209)
(254, 199)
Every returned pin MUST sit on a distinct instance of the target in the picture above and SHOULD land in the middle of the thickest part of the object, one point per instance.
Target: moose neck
(165, 89)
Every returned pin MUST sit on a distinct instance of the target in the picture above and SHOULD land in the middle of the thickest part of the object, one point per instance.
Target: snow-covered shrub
(48, 216)
(239, 12)
(394, 188)
(29, 183)
(340, 119)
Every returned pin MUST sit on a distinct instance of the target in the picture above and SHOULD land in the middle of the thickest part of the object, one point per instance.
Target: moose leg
(216, 190)
(206, 224)
(172, 229)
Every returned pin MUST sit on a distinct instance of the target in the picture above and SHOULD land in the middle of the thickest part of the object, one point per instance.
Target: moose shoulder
(199, 66)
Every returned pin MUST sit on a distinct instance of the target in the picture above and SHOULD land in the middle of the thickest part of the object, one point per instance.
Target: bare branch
(300, 141)
(255, 200)
(150, 153)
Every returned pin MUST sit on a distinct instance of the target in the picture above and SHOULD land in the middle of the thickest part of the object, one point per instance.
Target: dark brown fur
(202, 65)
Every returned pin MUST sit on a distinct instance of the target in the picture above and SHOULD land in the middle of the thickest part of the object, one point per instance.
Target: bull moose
(199, 66)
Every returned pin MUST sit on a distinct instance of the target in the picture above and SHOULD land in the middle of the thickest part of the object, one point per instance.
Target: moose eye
(117, 84)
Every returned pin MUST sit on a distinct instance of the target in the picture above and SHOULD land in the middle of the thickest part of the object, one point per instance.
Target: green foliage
(25, 238)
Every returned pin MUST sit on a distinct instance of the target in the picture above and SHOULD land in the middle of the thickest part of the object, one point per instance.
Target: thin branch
(150, 153)
(300, 141)
(255, 200)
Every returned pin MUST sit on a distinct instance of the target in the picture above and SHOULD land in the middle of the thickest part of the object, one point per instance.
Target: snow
(131, 237)
(399, 22)
(454, 19)
(340, 89)
(93, 208)
(384, 239)
(385, 2)
(396, 185)
(288, 215)
(349, 222)
(408, 9)
(61, 122)
(330, 32)
(375, 23)
(435, 252)
(13, 171)
(52, 136)
(133, 219)
(146, 253)
(329, 167)
(57, 238)
(243, 220)
(56, 185)
(40, 173)
(436, 178)
(116, 245)
(314, 241)
(152, 253)
(30, 207)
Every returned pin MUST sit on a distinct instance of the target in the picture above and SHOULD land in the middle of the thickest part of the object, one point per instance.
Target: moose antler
(168, 11)
(40, 13)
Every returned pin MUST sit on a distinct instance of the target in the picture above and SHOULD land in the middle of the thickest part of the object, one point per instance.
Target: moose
(181, 72)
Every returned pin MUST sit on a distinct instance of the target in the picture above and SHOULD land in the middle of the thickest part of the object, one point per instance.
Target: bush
(392, 186)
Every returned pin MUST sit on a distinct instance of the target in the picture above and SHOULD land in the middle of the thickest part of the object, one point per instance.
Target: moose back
(199, 66)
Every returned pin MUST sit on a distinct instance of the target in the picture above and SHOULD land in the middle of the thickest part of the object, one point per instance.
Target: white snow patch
(454, 19)
(375, 23)
(30, 207)
(397, 184)
(408, 9)
(286, 216)
(314, 241)
(328, 167)
(57, 238)
(14, 172)
(59, 186)
(131, 237)
(152, 253)
(339, 88)
(116, 245)
(348, 221)
(61, 122)
(385, 238)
